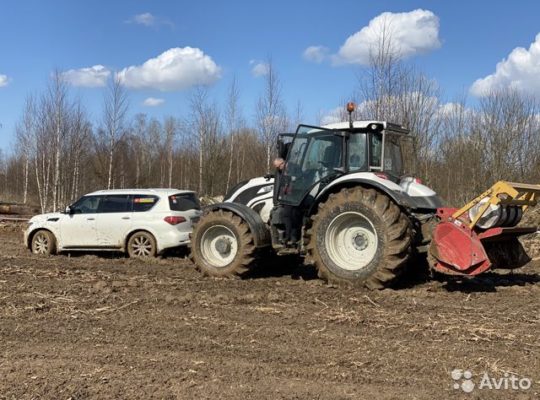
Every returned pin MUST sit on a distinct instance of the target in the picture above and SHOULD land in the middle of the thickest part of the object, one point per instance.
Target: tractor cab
(316, 156)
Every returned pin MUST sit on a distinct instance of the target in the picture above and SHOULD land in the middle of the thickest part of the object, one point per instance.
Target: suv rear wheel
(141, 245)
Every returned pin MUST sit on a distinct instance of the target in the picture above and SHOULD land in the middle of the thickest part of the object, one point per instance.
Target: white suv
(141, 222)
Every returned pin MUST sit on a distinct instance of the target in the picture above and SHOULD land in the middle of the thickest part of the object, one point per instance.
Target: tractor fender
(260, 231)
(248, 190)
(368, 179)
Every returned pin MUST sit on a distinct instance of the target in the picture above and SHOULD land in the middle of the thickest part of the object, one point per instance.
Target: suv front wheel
(43, 242)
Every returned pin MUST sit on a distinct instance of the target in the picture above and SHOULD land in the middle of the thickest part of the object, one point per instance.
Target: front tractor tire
(222, 245)
(361, 237)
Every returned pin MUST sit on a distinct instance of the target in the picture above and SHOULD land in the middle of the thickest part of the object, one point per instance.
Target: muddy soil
(103, 326)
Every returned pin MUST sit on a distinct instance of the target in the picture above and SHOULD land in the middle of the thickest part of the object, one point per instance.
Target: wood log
(18, 209)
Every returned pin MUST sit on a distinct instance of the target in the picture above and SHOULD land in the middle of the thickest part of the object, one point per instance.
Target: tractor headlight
(491, 216)
(375, 127)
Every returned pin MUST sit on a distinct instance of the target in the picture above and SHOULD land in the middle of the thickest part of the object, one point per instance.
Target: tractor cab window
(357, 152)
(325, 152)
(376, 150)
(408, 154)
(314, 155)
(393, 164)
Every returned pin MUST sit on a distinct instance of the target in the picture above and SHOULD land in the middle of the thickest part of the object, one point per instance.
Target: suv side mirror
(69, 210)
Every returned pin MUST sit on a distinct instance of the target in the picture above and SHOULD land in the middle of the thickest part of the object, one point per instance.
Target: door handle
(125, 218)
(90, 219)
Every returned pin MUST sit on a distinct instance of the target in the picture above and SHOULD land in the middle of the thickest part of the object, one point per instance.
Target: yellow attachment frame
(505, 193)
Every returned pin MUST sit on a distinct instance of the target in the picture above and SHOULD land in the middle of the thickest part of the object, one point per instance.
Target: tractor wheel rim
(219, 246)
(41, 244)
(141, 246)
(351, 241)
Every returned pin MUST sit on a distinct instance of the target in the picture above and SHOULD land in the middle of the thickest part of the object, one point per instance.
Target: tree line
(460, 149)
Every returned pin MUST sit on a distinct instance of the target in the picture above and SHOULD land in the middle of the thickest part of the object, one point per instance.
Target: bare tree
(171, 130)
(298, 116)
(114, 112)
(139, 147)
(25, 130)
(395, 92)
(58, 106)
(198, 105)
(507, 123)
(271, 116)
(234, 122)
(79, 142)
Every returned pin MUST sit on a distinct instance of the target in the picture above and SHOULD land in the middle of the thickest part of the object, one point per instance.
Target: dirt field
(90, 326)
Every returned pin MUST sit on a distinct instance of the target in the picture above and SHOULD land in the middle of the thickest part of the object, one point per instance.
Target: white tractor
(342, 200)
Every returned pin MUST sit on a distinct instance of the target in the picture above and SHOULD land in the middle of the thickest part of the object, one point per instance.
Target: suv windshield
(314, 155)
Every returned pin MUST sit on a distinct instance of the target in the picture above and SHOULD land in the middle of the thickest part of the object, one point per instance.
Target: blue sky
(213, 41)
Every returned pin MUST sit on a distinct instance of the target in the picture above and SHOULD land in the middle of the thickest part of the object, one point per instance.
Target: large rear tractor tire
(360, 237)
(222, 245)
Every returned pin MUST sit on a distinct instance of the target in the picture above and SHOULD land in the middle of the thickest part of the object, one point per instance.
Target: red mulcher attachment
(483, 234)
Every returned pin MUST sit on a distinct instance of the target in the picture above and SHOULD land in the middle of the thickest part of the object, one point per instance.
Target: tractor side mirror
(283, 149)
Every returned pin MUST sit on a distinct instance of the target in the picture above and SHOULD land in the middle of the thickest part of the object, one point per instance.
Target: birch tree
(25, 130)
(234, 123)
(114, 112)
(56, 103)
(199, 122)
(270, 114)
(171, 130)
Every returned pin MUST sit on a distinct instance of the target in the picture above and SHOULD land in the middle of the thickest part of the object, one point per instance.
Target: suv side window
(115, 203)
(86, 205)
(144, 202)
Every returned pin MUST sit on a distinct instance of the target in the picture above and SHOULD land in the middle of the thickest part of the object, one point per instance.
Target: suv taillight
(174, 220)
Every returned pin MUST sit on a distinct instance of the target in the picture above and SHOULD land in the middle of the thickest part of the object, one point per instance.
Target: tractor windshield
(315, 154)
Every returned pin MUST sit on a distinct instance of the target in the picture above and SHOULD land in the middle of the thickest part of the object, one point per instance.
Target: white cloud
(409, 33)
(95, 76)
(175, 69)
(259, 68)
(146, 19)
(449, 109)
(4, 80)
(149, 20)
(153, 102)
(519, 71)
(333, 116)
(316, 54)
